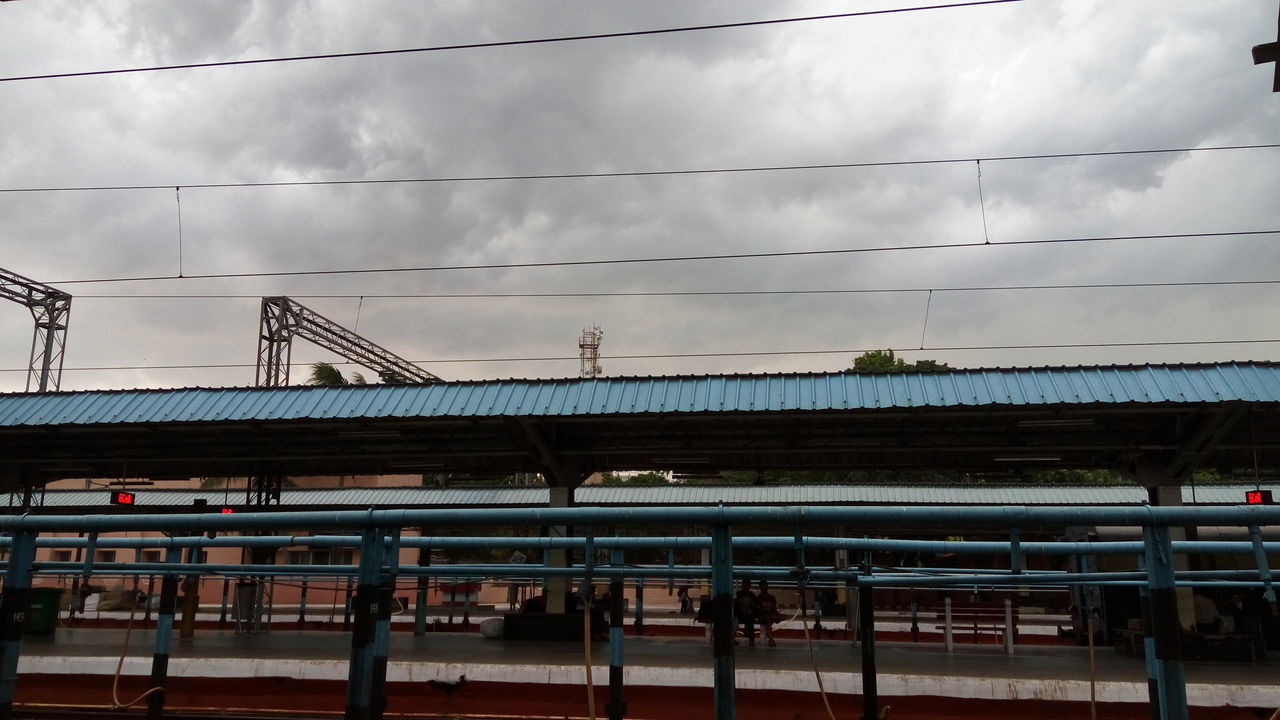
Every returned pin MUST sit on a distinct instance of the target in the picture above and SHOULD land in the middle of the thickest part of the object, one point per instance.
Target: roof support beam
(1155, 469)
(560, 471)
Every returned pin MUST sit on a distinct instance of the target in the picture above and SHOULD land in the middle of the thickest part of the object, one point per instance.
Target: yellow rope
(115, 682)
(804, 622)
(586, 644)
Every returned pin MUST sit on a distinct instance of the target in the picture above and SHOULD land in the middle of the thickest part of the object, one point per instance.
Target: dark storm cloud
(1022, 78)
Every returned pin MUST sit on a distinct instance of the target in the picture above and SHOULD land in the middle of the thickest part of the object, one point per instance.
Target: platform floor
(1055, 673)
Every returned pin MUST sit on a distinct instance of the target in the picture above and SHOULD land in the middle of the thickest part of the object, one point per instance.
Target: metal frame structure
(283, 319)
(379, 567)
(51, 309)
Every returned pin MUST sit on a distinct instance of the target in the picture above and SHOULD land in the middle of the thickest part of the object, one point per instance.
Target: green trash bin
(42, 612)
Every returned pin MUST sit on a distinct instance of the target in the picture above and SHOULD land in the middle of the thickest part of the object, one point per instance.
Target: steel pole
(361, 703)
(617, 707)
(723, 624)
(867, 632)
(1163, 628)
(163, 637)
(13, 615)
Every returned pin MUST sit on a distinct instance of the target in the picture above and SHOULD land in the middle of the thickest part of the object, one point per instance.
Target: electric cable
(669, 258)
(509, 43)
(668, 356)
(642, 173)
(686, 293)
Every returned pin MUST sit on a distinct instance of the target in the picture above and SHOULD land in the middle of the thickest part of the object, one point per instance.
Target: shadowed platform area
(666, 677)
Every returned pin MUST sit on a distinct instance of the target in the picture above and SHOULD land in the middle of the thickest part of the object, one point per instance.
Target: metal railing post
(617, 707)
(420, 602)
(190, 596)
(164, 635)
(867, 633)
(1163, 628)
(302, 605)
(722, 621)
(362, 683)
(948, 641)
(639, 607)
(13, 614)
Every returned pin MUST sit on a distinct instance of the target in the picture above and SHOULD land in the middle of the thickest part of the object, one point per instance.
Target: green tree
(323, 373)
(879, 361)
(875, 361)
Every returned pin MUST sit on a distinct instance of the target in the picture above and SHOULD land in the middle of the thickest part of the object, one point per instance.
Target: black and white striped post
(164, 636)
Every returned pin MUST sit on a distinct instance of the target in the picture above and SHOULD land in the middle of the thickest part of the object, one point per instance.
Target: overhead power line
(638, 173)
(750, 353)
(667, 259)
(509, 43)
(684, 293)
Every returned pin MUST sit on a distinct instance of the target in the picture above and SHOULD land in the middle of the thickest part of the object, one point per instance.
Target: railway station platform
(457, 674)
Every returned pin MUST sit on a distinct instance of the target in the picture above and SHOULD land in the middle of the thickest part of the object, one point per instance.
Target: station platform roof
(1155, 420)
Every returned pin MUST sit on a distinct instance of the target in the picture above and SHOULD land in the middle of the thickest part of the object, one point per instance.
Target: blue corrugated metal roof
(595, 495)
(1207, 383)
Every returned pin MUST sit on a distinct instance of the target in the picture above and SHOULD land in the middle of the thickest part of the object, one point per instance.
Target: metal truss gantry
(51, 309)
(283, 319)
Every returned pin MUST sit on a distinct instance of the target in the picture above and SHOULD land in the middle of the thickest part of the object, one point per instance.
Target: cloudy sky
(1026, 78)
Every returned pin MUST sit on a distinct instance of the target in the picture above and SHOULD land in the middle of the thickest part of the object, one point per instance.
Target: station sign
(1258, 497)
(122, 497)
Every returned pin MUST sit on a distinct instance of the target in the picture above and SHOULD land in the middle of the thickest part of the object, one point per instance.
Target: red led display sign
(120, 497)
(1258, 497)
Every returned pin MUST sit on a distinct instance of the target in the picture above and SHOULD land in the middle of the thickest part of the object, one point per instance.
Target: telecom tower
(589, 351)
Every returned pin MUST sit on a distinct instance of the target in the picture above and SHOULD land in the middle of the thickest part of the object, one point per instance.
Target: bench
(1001, 618)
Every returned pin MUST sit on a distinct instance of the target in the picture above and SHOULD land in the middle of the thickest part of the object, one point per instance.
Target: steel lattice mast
(51, 309)
(283, 319)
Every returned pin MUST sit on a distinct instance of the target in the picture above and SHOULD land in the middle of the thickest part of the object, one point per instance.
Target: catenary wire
(752, 353)
(510, 43)
(684, 293)
(665, 259)
(643, 173)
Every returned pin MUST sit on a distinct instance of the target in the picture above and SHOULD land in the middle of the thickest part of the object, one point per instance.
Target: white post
(1008, 626)
(947, 640)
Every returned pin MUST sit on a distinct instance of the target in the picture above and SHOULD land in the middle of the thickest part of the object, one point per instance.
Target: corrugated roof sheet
(667, 495)
(1207, 383)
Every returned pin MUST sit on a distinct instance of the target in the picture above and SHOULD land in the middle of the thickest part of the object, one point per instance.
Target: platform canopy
(1153, 422)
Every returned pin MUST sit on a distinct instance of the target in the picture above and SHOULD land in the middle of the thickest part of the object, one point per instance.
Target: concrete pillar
(558, 585)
